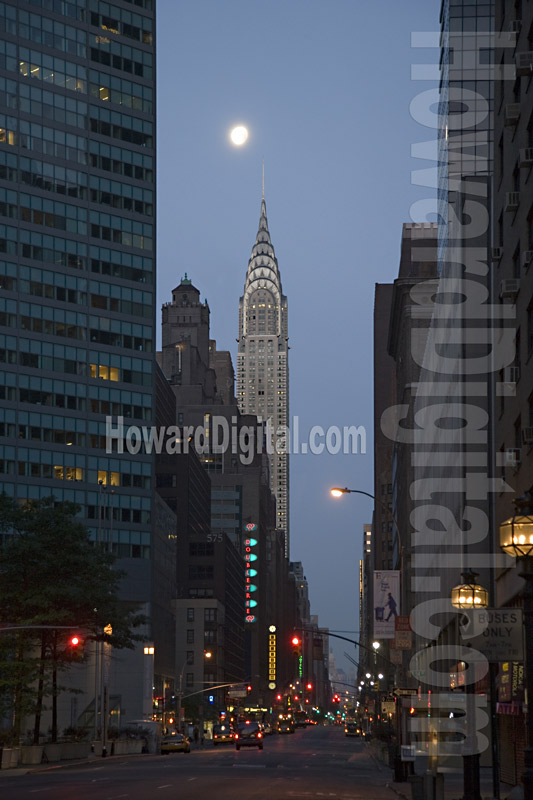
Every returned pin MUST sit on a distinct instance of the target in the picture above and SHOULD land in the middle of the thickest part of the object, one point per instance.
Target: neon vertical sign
(250, 557)
(272, 657)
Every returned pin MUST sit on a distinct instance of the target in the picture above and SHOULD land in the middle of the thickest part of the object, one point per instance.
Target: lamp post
(466, 596)
(180, 697)
(338, 492)
(516, 539)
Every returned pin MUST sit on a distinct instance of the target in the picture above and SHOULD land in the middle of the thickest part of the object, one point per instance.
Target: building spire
(263, 195)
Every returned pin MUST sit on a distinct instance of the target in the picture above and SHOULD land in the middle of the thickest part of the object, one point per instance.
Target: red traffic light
(248, 688)
(309, 685)
(74, 641)
(278, 697)
(295, 641)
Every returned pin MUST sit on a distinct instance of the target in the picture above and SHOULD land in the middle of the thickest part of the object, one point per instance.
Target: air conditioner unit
(527, 435)
(512, 374)
(509, 287)
(512, 113)
(524, 64)
(527, 258)
(514, 26)
(526, 157)
(513, 456)
(512, 201)
(496, 253)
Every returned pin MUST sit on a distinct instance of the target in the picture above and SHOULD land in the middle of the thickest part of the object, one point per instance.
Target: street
(315, 762)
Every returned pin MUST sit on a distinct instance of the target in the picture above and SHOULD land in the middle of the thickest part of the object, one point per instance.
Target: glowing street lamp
(470, 594)
(466, 596)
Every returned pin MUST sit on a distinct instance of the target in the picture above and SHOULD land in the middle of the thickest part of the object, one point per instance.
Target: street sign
(402, 623)
(238, 693)
(403, 640)
(498, 633)
(395, 656)
(407, 752)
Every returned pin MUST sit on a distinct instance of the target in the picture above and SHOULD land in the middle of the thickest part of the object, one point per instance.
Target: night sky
(324, 87)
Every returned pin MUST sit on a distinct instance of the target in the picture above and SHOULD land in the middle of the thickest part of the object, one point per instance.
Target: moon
(239, 135)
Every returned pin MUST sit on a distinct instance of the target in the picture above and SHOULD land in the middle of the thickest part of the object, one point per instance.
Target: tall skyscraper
(263, 362)
(77, 264)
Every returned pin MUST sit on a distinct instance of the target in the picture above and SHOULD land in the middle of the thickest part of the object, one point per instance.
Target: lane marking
(191, 779)
(165, 786)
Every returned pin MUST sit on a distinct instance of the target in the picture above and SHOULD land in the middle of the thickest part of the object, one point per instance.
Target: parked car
(175, 743)
(248, 734)
(222, 734)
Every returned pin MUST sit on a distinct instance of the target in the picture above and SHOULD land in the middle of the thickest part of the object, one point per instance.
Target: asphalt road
(313, 763)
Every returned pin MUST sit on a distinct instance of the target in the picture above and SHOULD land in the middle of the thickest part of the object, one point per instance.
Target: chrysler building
(262, 360)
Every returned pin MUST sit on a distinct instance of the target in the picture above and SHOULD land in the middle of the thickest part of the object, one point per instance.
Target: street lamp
(470, 594)
(337, 491)
(466, 596)
(516, 539)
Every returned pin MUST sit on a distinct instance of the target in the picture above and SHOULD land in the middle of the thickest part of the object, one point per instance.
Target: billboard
(386, 602)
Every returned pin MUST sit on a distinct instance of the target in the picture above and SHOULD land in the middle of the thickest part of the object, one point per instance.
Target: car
(175, 743)
(352, 729)
(285, 724)
(222, 734)
(248, 734)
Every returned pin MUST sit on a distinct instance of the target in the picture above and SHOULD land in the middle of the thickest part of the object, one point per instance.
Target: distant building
(242, 507)
(263, 359)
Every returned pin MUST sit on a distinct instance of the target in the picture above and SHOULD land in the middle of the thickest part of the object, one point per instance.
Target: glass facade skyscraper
(77, 271)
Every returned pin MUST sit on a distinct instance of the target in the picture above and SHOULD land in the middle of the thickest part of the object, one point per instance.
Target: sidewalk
(453, 788)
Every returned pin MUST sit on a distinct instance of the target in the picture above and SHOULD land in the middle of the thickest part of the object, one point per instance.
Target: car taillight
(236, 735)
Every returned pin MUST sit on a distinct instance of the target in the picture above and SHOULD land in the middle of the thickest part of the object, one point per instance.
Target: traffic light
(278, 697)
(309, 686)
(248, 689)
(73, 649)
(295, 641)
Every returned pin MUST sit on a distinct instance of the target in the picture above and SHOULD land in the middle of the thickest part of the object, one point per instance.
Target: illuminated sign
(250, 573)
(300, 665)
(272, 657)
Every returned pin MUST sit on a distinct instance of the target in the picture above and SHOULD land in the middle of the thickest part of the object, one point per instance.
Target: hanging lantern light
(516, 533)
(470, 594)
